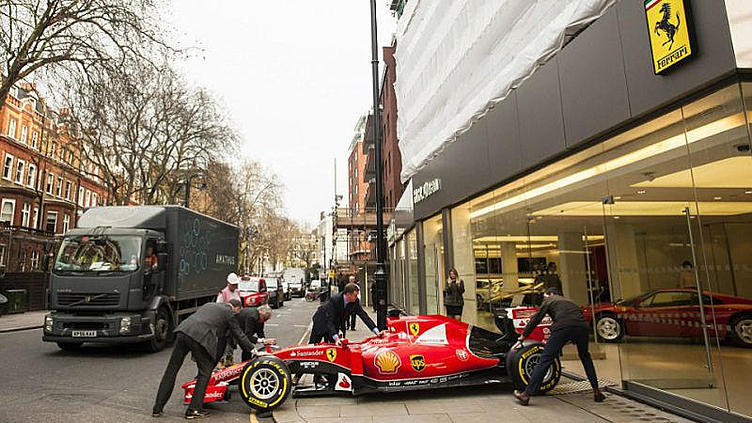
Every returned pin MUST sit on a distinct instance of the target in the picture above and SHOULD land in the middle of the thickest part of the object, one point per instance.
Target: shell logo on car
(387, 362)
(331, 354)
(415, 328)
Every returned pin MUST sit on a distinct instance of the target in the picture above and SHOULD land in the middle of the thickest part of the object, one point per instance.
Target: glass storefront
(413, 294)
(651, 230)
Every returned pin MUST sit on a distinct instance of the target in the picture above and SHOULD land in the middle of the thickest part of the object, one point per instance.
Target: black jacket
(211, 321)
(563, 311)
(250, 323)
(331, 315)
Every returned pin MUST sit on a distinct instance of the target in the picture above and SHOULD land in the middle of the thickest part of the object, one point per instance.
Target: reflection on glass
(99, 254)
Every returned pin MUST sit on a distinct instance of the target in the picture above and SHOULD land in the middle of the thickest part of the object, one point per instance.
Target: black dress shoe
(157, 413)
(522, 397)
(196, 414)
(598, 396)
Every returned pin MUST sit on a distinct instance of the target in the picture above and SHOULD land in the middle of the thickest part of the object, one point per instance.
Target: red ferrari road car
(672, 313)
(421, 352)
(253, 292)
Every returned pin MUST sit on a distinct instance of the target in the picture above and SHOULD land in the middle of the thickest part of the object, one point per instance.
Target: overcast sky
(294, 75)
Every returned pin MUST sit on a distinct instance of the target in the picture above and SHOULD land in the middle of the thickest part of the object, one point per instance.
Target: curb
(19, 329)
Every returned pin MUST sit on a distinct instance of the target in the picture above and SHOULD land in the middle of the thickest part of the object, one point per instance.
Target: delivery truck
(130, 274)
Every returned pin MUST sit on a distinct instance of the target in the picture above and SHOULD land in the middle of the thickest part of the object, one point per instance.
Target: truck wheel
(265, 383)
(70, 346)
(520, 365)
(162, 331)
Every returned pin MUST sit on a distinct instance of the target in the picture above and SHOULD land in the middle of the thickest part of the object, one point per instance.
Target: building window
(20, 172)
(25, 215)
(2, 254)
(35, 222)
(12, 128)
(24, 133)
(81, 196)
(93, 199)
(34, 260)
(51, 222)
(35, 140)
(59, 190)
(53, 149)
(67, 190)
(7, 211)
(66, 223)
(31, 176)
(87, 200)
(50, 183)
(22, 259)
(8, 166)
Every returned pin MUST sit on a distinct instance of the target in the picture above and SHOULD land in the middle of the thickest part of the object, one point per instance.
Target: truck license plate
(84, 333)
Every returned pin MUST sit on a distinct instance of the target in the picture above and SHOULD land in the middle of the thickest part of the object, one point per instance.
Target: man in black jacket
(331, 316)
(200, 335)
(251, 321)
(569, 325)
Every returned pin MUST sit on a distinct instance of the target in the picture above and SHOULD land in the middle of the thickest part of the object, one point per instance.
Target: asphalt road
(41, 383)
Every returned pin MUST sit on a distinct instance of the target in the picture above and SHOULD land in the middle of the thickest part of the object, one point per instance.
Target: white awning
(457, 58)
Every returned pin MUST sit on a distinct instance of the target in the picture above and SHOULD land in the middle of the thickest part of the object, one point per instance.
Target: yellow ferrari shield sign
(668, 26)
(415, 328)
(331, 354)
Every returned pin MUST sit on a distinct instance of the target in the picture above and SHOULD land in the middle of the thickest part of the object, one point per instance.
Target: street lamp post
(380, 275)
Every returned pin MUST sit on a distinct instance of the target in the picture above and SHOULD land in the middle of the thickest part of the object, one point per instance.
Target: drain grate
(578, 386)
(620, 409)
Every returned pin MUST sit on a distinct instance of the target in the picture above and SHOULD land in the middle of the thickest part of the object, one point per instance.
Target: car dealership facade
(630, 169)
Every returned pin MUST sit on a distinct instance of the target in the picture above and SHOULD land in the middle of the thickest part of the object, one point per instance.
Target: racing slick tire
(265, 383)
(741, 331)
(522, 361)
(609, 327)
(70, 346)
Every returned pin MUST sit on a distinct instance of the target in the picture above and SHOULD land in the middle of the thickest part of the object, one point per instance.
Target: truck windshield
(97, 254)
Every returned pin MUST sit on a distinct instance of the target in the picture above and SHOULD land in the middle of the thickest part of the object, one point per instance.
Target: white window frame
(8, 167)
(80, 196)
(87, 199)
(25, 215)
(31, 176)
(94, 199)
(35, 140)
(66, 223)
(34, 261)
(50, 183)
(35, 223)
(12, 128)
(2, 254)
(24, 133)
(12, 202)
(20, 172)
(59, 189)
(47, 219)
(67, 189)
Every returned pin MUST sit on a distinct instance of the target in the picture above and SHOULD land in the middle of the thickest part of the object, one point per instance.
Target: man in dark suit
(330, 318)
(200, 335)
(251, 321)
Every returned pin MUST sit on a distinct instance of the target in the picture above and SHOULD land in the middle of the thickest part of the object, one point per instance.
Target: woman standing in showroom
(453, 300)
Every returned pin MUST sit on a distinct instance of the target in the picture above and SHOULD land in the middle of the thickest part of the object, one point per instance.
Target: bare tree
(146, 130)
(64, 35)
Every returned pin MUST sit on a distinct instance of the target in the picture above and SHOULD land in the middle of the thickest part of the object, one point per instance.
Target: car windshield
(252, 286)
(99, 254)
(629, 300)
(271, 283)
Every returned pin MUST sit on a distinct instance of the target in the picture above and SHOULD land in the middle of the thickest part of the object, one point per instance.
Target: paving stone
(314, 411)
(374, 409)
(423, 418)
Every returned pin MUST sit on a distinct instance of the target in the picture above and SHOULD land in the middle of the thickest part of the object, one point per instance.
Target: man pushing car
(569, 325)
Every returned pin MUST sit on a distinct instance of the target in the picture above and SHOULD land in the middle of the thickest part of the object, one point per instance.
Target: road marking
(301, 326)
(305, 334)
(271, 324)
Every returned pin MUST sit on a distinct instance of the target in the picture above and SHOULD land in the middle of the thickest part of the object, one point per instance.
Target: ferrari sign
(669, 32)
(331, 354)
(415, 328)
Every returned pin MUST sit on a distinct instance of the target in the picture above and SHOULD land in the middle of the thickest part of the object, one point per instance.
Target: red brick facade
(44, 182)
(390, 153)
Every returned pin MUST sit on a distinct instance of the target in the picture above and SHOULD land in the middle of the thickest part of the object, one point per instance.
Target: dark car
(276, 292)
(672, 313)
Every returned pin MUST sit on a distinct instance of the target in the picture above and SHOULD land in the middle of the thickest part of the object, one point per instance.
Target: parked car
(276, 292)
(296, 278)
(672, 313)
(287, 290)
(253, 292)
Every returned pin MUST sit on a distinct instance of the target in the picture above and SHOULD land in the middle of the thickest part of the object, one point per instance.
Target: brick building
(390, 152)
(45, 184)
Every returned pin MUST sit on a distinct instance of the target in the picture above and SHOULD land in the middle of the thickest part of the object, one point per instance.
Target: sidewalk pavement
(572, 403)
(22, 321)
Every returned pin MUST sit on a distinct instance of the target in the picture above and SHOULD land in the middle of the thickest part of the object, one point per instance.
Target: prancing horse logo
(666, 26)
(331, 354)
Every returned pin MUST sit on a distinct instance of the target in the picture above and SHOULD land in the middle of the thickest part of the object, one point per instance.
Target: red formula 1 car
(420, 352)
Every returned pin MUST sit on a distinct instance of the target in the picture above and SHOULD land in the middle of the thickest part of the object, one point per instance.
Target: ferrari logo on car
(414, 329)
(331, 354)
(417, 362)
(387, 362)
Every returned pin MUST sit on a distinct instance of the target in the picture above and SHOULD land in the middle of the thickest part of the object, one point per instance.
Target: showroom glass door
(652, 229)
(434, 263)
